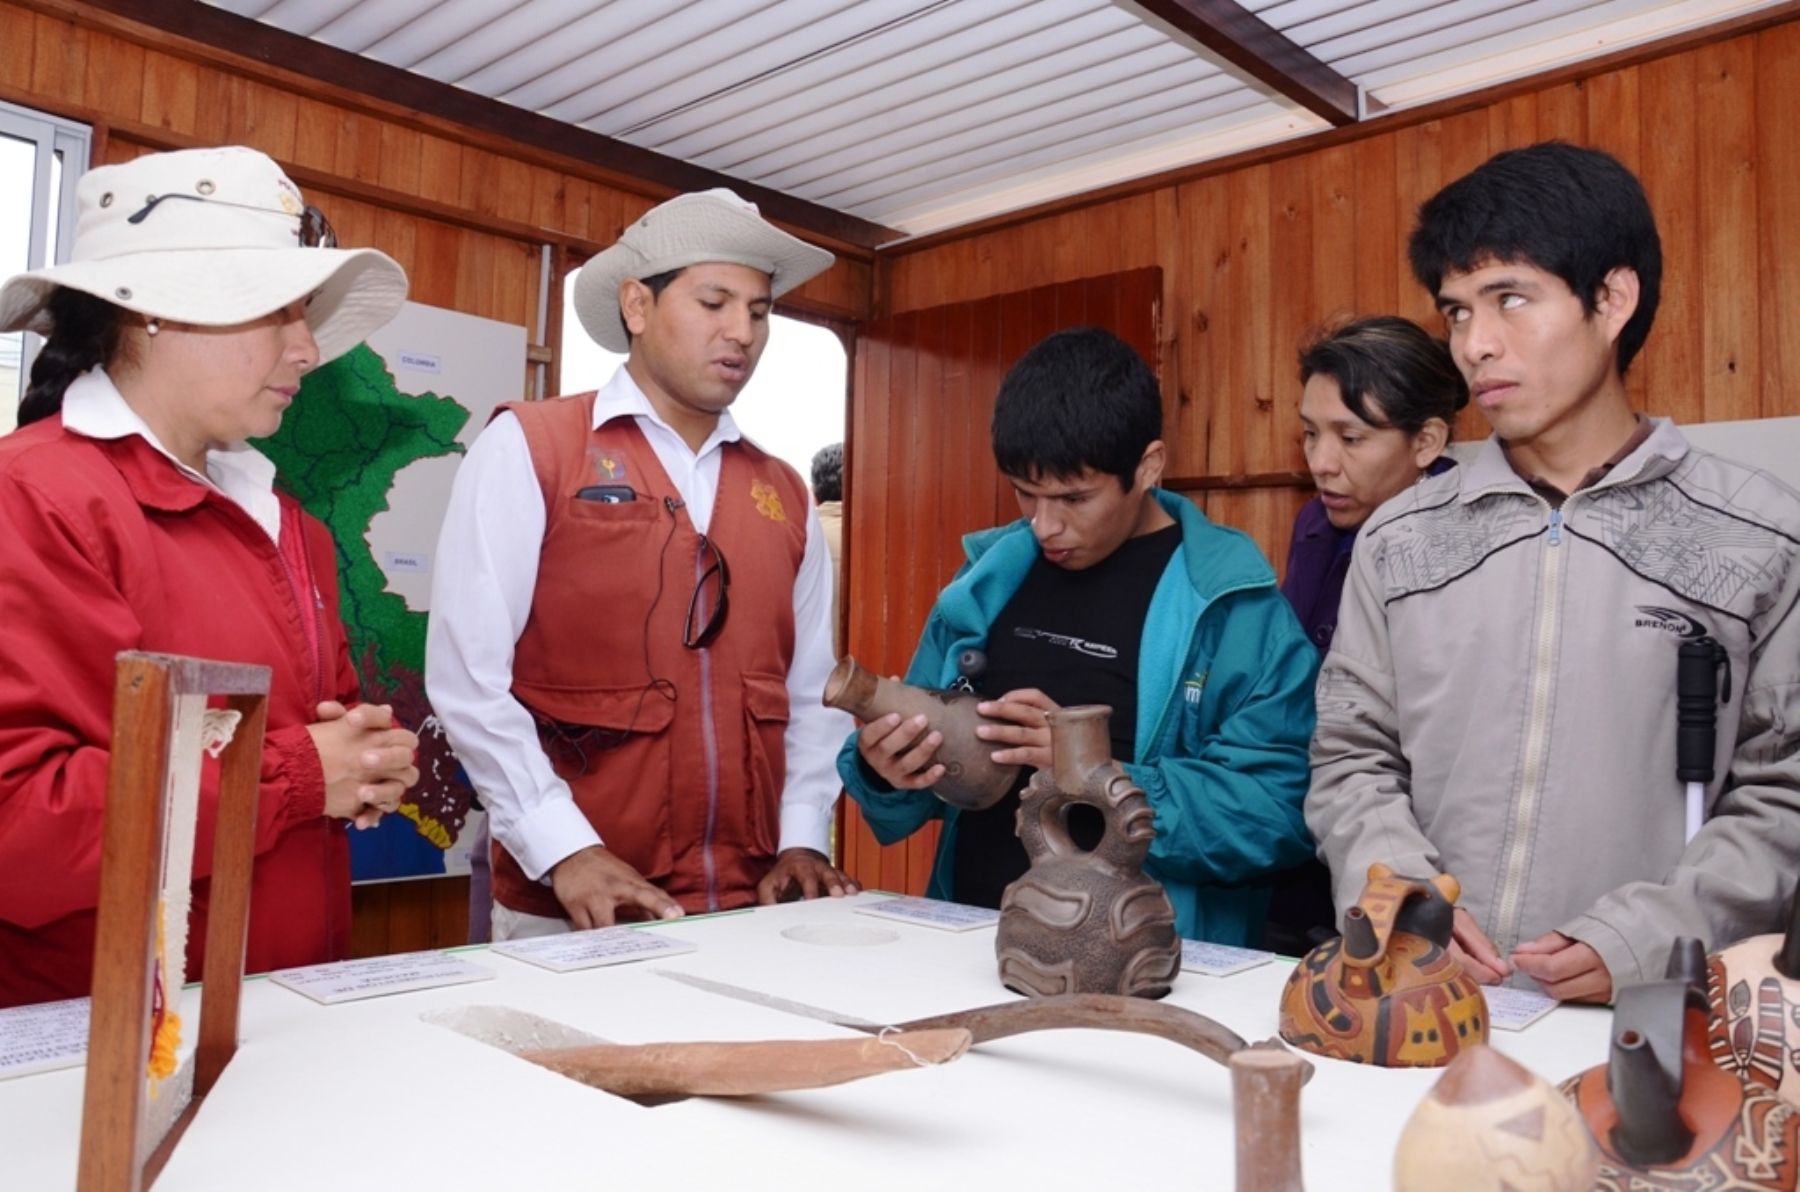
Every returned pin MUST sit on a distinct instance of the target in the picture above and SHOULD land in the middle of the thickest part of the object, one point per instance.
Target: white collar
(621, 395)
(94, 408)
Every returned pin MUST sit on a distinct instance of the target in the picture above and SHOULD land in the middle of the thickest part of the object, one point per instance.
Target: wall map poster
(370, 448)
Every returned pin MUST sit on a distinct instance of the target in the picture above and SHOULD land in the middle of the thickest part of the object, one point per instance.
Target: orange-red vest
(675, 755)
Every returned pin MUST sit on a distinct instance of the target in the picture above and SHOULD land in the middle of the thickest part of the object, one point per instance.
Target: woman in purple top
(1380, 396)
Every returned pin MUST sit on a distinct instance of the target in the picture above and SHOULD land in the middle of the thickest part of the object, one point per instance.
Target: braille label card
(575, 950)
(1512, 1009)
(43, 1038)
(1220, 960)
(378, 976)
(929, 912)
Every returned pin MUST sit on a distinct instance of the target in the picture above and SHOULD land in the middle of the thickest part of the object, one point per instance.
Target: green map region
(347, 436)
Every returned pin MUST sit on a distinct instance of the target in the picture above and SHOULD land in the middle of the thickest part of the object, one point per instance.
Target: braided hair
(85, 331)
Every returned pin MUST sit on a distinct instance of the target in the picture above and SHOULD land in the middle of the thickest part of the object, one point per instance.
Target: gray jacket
(1499, 702)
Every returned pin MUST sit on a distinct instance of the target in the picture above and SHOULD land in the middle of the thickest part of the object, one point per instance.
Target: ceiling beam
(288, 52)
(1239, 36)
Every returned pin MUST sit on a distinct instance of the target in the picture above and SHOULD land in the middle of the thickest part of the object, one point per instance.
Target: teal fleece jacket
(1225, 714)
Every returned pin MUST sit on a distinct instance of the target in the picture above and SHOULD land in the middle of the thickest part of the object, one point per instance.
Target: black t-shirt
(1073, 635)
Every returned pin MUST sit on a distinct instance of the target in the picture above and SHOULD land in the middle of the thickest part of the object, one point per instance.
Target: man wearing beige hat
(630, 621)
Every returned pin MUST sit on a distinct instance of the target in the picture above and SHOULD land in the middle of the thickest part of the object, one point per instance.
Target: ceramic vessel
(1753, 996)
(1388, 991)
(1489, 1125)
(1086, 922)
(1666, 1117)
(971, 780)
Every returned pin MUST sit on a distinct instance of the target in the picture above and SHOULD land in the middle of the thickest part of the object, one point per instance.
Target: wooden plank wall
(464, 216)
(922, 475)
(1253, 256)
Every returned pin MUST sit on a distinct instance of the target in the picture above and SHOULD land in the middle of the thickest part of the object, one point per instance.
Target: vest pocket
(765, 743)
(612, 746)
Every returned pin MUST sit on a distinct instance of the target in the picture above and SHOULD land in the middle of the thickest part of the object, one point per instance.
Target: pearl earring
(152, 326)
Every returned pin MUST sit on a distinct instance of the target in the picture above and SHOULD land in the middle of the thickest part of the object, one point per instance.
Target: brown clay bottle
(1086, 922)
(971, 780)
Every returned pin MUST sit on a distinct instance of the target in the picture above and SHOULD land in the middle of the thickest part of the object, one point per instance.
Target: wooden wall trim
(1753, 22)
(1242, 480)
(202, 33)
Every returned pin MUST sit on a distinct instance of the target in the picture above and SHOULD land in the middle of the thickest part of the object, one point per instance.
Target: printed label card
(929, 912)
(1512, 1009)
(577, 950)
(43, 1038)
(378, 976)
(1220, 960)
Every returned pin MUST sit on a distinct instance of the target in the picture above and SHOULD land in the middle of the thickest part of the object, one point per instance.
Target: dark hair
(1571, 211)
(1393, 362)
(1083, 398)
(85, 331)
(656, 283)
(828, 473)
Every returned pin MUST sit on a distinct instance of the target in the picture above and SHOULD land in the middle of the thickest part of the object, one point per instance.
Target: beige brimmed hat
(691, 229)
(209, 237)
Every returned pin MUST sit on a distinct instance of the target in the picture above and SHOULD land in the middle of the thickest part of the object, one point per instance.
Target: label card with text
(590, 949)
(929, 912)
(378, 976)
(1512, 1009)
(1220, 960)
(43, 1038)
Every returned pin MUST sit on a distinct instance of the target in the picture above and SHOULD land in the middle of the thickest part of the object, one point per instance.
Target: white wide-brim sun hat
(705, 227)
(209, 237)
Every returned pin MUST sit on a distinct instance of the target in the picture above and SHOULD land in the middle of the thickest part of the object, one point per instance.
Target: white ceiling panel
(920, 114)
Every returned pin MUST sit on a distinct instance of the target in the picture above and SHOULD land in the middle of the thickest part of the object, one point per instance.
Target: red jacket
(105, 546)
(677, 757)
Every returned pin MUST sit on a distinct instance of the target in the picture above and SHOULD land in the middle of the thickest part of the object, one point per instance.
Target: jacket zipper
(1536, 760)
(709, 738)
(1187, 652)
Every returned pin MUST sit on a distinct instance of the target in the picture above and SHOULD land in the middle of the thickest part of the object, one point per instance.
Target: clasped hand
(368, 760)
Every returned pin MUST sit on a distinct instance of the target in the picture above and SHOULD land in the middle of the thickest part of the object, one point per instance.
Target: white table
(364, 1095)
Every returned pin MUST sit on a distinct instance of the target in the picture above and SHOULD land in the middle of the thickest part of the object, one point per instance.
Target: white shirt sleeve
(814, 732)
(481, 592)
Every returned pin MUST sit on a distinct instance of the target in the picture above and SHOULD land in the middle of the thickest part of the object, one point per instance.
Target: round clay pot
(971, 780)
(1489, 1125)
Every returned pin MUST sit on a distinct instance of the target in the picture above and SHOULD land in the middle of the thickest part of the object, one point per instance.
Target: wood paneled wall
(1253, 256)
(464, 214)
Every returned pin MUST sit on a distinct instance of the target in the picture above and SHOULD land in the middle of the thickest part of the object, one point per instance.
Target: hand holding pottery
(971, 780)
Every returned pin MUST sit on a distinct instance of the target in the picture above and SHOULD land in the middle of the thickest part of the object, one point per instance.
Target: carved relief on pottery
(1489, 1125)
(1086, 922)
(1388, 992)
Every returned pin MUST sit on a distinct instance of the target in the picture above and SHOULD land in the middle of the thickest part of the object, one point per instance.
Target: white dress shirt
(481, 593)
(94, 408)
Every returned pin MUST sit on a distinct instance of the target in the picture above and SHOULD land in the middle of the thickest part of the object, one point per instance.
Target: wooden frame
(115, 1100)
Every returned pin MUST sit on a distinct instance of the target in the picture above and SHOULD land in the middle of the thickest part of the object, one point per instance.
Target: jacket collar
(1657, 456)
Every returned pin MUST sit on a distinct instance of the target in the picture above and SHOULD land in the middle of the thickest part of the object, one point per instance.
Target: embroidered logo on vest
(768, 501)
(607, 466)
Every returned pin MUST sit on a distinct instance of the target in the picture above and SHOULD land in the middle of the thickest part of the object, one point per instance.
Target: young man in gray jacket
(1499, 701)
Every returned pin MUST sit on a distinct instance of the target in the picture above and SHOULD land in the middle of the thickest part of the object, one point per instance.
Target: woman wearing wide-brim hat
(200, 290)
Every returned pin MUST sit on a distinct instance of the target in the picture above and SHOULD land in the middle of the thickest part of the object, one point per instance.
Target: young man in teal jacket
(1111, 591)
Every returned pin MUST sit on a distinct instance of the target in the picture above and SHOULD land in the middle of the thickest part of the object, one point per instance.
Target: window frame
(50, 135)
